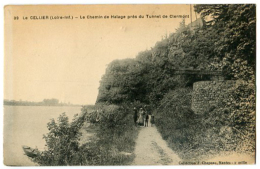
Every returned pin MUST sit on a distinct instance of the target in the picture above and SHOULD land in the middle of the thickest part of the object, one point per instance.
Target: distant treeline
(45, 102)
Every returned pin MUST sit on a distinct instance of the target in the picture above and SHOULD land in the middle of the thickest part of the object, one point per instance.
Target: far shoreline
(48, 105)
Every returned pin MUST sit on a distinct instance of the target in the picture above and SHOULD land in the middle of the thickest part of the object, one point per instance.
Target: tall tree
(236, 29)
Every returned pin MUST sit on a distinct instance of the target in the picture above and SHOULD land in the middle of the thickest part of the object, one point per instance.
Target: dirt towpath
(151, 149)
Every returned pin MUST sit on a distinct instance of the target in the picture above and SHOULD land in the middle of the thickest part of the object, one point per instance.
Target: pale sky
(65, 59)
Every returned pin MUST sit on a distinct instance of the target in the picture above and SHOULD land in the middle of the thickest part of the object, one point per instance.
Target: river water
(25, 125)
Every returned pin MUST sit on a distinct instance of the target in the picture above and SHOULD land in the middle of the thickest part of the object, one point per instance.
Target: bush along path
(151, 149)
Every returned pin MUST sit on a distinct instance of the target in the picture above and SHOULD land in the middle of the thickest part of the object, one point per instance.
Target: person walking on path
(146, 119)
(141, 118)
(144, 115)
(135, 116)
(152, 120)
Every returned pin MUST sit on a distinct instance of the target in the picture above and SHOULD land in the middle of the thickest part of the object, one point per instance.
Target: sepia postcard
(133, 85)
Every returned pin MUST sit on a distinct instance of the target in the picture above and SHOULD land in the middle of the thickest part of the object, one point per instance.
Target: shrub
(62, 141)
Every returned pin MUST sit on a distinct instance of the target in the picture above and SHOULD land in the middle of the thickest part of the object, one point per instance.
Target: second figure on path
(135, 116)
(141, 117)
(146, 119)
(146, 116)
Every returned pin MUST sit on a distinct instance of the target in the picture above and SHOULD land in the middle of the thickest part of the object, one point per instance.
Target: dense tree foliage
(149, 76)
(235, 26)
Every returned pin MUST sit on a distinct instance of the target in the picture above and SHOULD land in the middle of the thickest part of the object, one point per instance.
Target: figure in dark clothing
(135, 116)
(152, 120)
(146, 119)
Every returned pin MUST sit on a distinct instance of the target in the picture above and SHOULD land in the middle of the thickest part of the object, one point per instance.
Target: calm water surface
(25, 125)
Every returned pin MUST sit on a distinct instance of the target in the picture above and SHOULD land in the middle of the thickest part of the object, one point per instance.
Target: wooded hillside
(226, 41)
